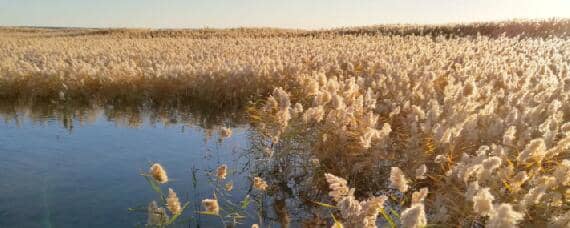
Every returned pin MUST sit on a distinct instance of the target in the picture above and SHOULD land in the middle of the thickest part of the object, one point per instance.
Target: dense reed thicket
(123, 65)
(525, 28)
(477, 114)
(486, 119)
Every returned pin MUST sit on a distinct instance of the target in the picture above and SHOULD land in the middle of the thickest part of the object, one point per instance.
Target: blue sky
(272, 13)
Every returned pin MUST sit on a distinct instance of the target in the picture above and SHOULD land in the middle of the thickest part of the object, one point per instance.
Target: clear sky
(272, 13)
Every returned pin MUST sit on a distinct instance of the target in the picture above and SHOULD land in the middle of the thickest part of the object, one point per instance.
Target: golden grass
(478, 104)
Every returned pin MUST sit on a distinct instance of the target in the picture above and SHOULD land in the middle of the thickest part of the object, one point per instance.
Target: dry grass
(478, 110)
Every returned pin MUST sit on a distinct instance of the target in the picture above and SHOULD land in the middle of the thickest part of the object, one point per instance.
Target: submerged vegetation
(413, 126)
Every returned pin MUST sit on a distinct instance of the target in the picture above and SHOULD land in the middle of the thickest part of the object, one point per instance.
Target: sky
(305, 14)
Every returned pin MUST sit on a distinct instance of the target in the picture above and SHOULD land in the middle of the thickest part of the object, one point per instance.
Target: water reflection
(124, 115)
(80, 165)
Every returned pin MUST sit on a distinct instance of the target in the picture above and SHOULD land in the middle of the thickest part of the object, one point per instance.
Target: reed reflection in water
(69, 166)
(80, 165)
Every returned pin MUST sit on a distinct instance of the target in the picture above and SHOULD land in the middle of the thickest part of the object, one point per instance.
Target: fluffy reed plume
(211, 206)
(354, 213)
(483, 202)
(338, 186)
(298, 109)
(156, 215)
(370, 210)
(535, 150)
(414, 217)
(419, 197)
(225, 132)
(259, 184)
(504, 217)
(173, 203)
(158, 173)
(398, 179)
(538, 191)
(222, 172)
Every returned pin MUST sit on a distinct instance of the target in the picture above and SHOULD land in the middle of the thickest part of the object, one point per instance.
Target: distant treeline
(523, 28)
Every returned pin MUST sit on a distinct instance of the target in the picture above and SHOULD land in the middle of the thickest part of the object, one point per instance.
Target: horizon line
(519, 19)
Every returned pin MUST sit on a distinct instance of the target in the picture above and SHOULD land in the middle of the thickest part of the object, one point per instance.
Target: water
(73, 167)
(81, 166)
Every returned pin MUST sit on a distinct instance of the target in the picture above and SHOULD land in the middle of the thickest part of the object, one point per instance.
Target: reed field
(463, 125)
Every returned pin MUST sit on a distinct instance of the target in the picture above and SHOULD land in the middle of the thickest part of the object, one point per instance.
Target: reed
(478, 112)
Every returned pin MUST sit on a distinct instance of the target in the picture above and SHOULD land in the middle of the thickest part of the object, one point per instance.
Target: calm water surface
(64, 169)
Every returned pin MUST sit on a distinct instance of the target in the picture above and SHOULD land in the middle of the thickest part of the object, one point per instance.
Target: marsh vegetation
(411, 126)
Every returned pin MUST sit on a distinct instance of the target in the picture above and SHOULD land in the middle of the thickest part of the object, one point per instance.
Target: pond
(88, 166)
(81, 167)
